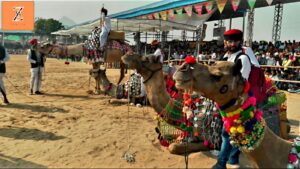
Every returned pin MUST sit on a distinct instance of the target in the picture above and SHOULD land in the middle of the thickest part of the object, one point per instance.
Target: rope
(128, 156)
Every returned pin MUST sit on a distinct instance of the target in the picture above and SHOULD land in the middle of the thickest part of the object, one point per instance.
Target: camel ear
(236, 70)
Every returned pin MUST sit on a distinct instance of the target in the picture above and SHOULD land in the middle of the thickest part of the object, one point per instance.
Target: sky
(82, 11)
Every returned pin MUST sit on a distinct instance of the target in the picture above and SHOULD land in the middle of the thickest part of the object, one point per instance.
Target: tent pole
(230, 22)
(146, 44)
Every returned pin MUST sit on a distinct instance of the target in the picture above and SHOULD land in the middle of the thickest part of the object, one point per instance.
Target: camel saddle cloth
(116, 35)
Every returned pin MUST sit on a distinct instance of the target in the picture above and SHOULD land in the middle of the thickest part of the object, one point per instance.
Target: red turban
(33, 41)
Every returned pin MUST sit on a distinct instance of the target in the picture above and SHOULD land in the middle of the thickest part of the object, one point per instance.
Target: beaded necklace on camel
(244, 125)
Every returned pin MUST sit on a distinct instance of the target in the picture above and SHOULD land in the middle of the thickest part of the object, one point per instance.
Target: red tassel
(246, 87)
(190, 60)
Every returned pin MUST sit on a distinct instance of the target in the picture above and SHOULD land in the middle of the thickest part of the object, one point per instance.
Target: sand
(68, 128)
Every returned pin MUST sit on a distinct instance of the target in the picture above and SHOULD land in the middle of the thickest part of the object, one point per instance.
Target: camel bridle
(150, 70)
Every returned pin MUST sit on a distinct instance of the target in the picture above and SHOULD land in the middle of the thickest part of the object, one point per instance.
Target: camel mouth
(182, 84)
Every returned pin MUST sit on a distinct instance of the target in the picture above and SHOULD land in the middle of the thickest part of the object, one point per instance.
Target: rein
(152, 72)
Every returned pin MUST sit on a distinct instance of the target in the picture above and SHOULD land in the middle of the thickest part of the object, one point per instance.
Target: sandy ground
(66, 127)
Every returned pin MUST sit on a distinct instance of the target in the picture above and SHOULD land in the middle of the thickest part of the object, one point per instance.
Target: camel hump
(116, 35)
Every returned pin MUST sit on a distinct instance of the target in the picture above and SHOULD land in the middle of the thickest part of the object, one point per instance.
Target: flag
(270, 2)
(156, 16)
(171, 14)
(208, 6)
(251, 4)
(150, 16)
(235, 4)
(221, 4)
(198, 8)
(179, 11)
(163, 15)
(189, 10)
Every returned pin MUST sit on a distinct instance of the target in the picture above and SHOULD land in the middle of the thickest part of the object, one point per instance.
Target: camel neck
(156, 91)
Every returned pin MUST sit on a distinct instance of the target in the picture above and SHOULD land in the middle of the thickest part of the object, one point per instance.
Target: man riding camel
(105, 28)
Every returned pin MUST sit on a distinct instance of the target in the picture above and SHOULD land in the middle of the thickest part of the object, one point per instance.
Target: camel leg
(122, 74)
(181, 148)
(97, 79)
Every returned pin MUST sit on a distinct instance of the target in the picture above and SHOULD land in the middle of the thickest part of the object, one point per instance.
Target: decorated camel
(223, 83)
(151, 70)
(114, 50)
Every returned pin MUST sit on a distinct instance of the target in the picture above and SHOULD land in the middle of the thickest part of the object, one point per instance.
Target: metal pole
(244, 15)
(2, 38)
(230, 22)
(146, 44)
(169, 55)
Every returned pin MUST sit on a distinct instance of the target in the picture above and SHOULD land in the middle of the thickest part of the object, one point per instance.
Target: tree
(46, 26)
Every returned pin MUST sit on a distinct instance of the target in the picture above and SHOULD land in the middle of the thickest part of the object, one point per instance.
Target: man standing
(105, 28)
(36, 60)
(158, 52)
(3, 58)
(233, 40)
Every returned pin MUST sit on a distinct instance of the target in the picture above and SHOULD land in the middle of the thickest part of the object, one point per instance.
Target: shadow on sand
(36, 108)
(28, 134)
(13, 162)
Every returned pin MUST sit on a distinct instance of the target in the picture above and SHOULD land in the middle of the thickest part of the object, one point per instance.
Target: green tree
(46, 26)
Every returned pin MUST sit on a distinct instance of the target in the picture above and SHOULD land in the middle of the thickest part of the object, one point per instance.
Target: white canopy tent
(181, 22)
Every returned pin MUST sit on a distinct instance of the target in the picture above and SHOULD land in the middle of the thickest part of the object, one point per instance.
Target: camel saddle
(116, 35)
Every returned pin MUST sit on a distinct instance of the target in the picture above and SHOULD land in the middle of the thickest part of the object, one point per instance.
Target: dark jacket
(2, 56)
(34, 57)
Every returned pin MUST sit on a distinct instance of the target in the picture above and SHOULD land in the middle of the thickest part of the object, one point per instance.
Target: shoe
(218, 166)
(38, 92)
(6, 101)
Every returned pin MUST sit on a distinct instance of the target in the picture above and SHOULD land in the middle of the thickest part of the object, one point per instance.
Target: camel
(158, 96)
(223, 82)
(112, 55)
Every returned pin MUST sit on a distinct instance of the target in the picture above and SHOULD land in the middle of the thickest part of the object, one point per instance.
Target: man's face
(231, 45)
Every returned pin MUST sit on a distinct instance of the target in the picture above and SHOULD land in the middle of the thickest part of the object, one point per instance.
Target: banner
(17, 15)
(179, 11)
(251, 3)
(270, 2)
(171, 14)
(208, 6)
(221, 4)
(198, 8)
(235, 4)
(163, 15)
(189, 10)
(156, 16)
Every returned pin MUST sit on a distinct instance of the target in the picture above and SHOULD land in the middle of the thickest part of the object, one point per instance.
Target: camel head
(220, 82)
(145, 65)
(45, 48)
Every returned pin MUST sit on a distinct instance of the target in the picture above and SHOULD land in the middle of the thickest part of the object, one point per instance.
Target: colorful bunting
(208, 6)
(270, 2)
(235, 4)
(198, 8)
(171, 14)
(156, 16)
(251, 4)
(163, 15)
(150, 16)
(179, 11)
(189, 10)
(221, 4)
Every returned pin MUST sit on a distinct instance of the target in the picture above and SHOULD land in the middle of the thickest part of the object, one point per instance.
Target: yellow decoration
(241, 129)
(238, 111)
(239, 121)
(251, 114)
(233, 130)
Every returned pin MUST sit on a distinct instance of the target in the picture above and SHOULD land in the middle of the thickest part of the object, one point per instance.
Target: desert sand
(68, 128)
